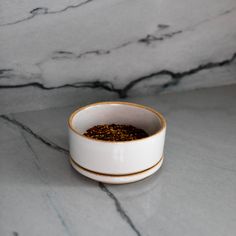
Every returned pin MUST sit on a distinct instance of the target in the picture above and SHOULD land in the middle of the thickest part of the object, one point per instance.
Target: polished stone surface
(51, 47)
(194, 193)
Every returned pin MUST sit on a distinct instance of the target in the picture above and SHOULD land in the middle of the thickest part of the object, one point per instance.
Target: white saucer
(116, 179)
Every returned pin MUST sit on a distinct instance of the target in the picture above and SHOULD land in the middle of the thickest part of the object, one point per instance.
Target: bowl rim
(158, 114)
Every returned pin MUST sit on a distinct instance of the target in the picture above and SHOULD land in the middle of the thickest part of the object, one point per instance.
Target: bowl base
(120, 179)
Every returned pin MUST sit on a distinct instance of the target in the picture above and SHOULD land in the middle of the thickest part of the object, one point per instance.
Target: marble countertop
(194, 193)
(52, 48)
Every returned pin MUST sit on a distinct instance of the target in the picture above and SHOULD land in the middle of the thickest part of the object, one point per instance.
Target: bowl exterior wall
(116, 157)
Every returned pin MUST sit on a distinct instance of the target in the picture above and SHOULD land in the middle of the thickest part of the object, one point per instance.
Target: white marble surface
(138, 46)
(194, 193)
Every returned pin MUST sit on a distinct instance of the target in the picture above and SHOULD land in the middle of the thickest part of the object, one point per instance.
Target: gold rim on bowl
(158, 114)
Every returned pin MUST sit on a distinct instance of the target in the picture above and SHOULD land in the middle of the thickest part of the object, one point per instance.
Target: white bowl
(116, 162)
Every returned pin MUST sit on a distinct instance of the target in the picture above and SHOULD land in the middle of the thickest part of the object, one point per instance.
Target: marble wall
(56, 52)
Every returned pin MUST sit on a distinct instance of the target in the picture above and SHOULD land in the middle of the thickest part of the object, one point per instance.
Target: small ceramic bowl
(111, 161)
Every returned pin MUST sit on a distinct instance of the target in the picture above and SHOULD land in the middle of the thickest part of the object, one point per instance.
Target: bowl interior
(112, 113)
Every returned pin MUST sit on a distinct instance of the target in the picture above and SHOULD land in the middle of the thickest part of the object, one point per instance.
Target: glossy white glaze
(117, 157)
(118, 179)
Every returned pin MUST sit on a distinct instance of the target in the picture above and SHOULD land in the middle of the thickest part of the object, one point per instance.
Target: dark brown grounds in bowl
(115, 132)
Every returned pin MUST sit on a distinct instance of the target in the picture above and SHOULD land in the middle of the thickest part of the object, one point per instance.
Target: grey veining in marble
(56, 48)
(193, 193)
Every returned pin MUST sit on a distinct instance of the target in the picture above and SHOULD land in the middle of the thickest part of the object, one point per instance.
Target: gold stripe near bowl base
(73, 162)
